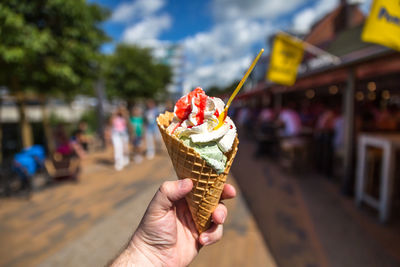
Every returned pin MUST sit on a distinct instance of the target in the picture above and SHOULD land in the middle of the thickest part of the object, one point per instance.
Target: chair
(293, 153)
(62, 166)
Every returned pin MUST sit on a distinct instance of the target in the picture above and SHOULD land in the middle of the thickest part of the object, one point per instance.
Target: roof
(347, 41)
(326, 29)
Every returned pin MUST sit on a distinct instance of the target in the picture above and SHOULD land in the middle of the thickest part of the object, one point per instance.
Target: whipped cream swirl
(196, 116)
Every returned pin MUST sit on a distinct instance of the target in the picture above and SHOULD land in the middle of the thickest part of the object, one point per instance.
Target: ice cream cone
(208, 184)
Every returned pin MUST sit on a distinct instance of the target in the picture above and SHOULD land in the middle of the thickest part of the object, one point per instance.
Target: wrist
(140, 250)
(135, 255)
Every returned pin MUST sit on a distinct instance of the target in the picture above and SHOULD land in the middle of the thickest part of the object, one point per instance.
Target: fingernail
(223, 217)
(205, 239)
(182, 183)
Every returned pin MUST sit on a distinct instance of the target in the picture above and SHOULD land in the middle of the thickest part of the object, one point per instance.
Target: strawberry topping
(184, 108)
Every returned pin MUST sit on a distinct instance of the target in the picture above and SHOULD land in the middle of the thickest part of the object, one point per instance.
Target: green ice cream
(196, 116)
(210, 152)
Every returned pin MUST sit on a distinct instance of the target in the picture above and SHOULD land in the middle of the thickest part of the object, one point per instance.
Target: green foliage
(131, 73)
(55, 120)
(214, 91)
(50, 46)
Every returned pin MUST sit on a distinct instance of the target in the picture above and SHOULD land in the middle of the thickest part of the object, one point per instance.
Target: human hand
(167, 235)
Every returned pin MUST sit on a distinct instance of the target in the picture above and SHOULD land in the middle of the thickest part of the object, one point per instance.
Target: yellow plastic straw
(222, 116)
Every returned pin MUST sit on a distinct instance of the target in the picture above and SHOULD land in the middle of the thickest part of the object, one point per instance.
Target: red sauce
(200, 103)
(179, 124)
(183, 106)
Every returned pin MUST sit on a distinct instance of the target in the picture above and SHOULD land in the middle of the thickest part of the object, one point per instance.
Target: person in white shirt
(120, 138)
(291, 121)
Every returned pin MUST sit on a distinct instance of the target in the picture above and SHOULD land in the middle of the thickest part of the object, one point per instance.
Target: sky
(219, 37)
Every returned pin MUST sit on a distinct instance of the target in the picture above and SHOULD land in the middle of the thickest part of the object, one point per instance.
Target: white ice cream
(204, 133)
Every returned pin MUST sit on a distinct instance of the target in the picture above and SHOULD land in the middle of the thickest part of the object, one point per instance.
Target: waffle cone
(207, 183)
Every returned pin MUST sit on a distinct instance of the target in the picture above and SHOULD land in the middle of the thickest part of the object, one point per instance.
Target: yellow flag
(286, 57)
(383, 24)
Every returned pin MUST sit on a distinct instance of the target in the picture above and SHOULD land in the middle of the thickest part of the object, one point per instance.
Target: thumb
(171, 191)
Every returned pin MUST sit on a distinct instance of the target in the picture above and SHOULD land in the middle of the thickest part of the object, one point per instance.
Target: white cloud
(303, 20)
(220, 74)
(365, 5)
(129, 11)
(226, 39)
(222, 54)
(147, 31)
(144, 22)
(219, 56)
(252, 9)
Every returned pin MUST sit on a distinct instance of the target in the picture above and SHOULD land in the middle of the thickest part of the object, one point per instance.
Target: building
(173, 56)
(367, 75)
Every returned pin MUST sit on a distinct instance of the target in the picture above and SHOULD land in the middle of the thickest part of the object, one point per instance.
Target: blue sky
(219, 37)
(188, 18)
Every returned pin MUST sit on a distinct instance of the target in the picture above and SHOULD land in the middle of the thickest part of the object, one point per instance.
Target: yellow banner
(383, 24)
(286, 56)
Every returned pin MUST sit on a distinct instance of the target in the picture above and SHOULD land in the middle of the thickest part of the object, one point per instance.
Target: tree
(20, 42)
(49, 47)
(131, 73)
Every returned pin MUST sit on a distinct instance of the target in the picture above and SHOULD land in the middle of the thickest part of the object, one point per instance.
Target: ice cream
(195, 120)
(196, 148)
(202, 147)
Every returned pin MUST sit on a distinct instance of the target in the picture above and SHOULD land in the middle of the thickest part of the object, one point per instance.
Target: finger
(212, 235)
(170, 192)
(184, 215)
(228, 192)
(219, 214)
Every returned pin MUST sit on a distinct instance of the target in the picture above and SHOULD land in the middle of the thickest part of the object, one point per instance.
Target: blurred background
(82, 82)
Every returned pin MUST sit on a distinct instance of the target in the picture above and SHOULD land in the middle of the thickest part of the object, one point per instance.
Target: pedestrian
(84, 138)
(120, 139)
(266, 132)
(152, 134)
(66, 161)
(324, 135)
(77, 142)
(290, 120)
(137, 126)
(166, 235)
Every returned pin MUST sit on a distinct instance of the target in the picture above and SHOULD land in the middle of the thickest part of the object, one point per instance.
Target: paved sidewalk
(307, 222)
(105, 239)
(279, 209)
(87, 223)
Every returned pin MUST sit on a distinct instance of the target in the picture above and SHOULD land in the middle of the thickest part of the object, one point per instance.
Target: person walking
(120, 139)
(137, 126)
(291, 122)
(151, 128)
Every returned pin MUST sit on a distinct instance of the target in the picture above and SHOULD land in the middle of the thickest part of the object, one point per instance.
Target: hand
(167, 236)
